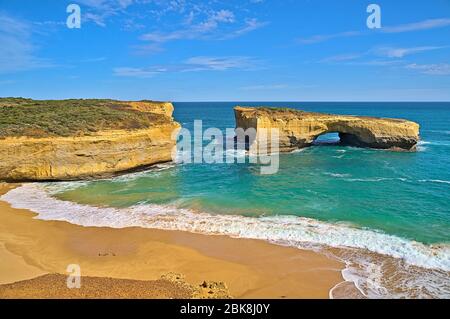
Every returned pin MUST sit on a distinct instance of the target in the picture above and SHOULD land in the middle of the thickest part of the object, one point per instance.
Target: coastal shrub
(77, 117)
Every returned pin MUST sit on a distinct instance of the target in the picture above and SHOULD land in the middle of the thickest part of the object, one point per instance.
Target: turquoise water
(403, 194)
(385, 214)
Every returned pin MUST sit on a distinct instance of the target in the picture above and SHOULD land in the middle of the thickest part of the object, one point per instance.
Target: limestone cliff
(164, 108)
(298, 129)
(100, 154)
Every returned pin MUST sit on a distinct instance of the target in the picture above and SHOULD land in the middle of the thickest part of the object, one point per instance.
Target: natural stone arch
(298, 129)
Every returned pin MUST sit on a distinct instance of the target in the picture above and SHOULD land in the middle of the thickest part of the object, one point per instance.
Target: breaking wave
(291, 231)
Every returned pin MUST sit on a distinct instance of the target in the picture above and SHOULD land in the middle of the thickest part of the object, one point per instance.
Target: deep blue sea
(393, 204)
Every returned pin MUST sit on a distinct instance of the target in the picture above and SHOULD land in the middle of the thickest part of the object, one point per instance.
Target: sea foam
(285, 230)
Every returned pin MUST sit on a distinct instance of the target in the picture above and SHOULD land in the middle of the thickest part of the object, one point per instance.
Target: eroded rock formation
(164, 108)
(299, 129)
(100, 154)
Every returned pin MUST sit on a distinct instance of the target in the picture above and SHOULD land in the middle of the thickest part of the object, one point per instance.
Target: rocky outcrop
(164, 108)
(299, 129)
(54, 286)
(206, 290)
(100, 154)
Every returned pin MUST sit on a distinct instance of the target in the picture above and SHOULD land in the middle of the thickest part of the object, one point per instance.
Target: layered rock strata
(299, 129)
(100, 154)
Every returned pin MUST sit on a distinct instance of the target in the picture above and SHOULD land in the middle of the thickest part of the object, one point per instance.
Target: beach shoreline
(30, 248)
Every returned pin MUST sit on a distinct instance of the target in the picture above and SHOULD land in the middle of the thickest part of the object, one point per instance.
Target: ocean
(385, 214)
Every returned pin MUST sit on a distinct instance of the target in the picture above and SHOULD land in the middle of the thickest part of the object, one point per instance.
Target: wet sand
(251, 269)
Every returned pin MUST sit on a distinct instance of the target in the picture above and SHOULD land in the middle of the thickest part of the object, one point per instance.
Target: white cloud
(96, 18)
(148, 49)
(194, 64)
(402, 52)
(202, 63)
(342, 57)
(107, 4)
(135, 72)
(379, 62)
(264, 87)
(430, 69)
(250, 25)
(325, 37)
(417, 26)
(17, 51)
(189, 20)
(125, 3)
(194, 31)
(100, 10)
(206, 25)
(392, 56)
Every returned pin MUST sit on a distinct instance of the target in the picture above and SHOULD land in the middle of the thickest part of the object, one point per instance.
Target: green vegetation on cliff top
(42, 118)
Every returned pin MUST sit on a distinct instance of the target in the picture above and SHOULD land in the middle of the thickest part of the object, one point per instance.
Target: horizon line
(234, 101)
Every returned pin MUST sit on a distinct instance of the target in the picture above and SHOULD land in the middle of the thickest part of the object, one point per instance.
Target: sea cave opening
(327, 139)
(338, 138)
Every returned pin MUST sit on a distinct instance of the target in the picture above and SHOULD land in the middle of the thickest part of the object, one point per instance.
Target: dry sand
(250, 268)
(54, 286)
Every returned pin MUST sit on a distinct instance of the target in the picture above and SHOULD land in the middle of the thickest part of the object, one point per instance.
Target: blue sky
(247, 50)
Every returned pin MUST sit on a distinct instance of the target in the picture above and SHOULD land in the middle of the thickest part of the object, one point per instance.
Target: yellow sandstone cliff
(298, 129)
(164, 108)
(101, 154)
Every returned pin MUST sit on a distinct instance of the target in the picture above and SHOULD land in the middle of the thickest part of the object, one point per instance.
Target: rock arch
(299, 129)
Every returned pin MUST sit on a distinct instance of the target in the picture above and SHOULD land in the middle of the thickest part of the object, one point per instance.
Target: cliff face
(164, 108)
(298, 129)
(100, 154)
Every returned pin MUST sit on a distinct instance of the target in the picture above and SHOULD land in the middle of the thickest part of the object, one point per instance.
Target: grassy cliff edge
(51, 118)
(82, 139)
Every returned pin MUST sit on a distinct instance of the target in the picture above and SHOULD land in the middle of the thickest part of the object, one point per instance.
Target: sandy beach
(31, 248)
